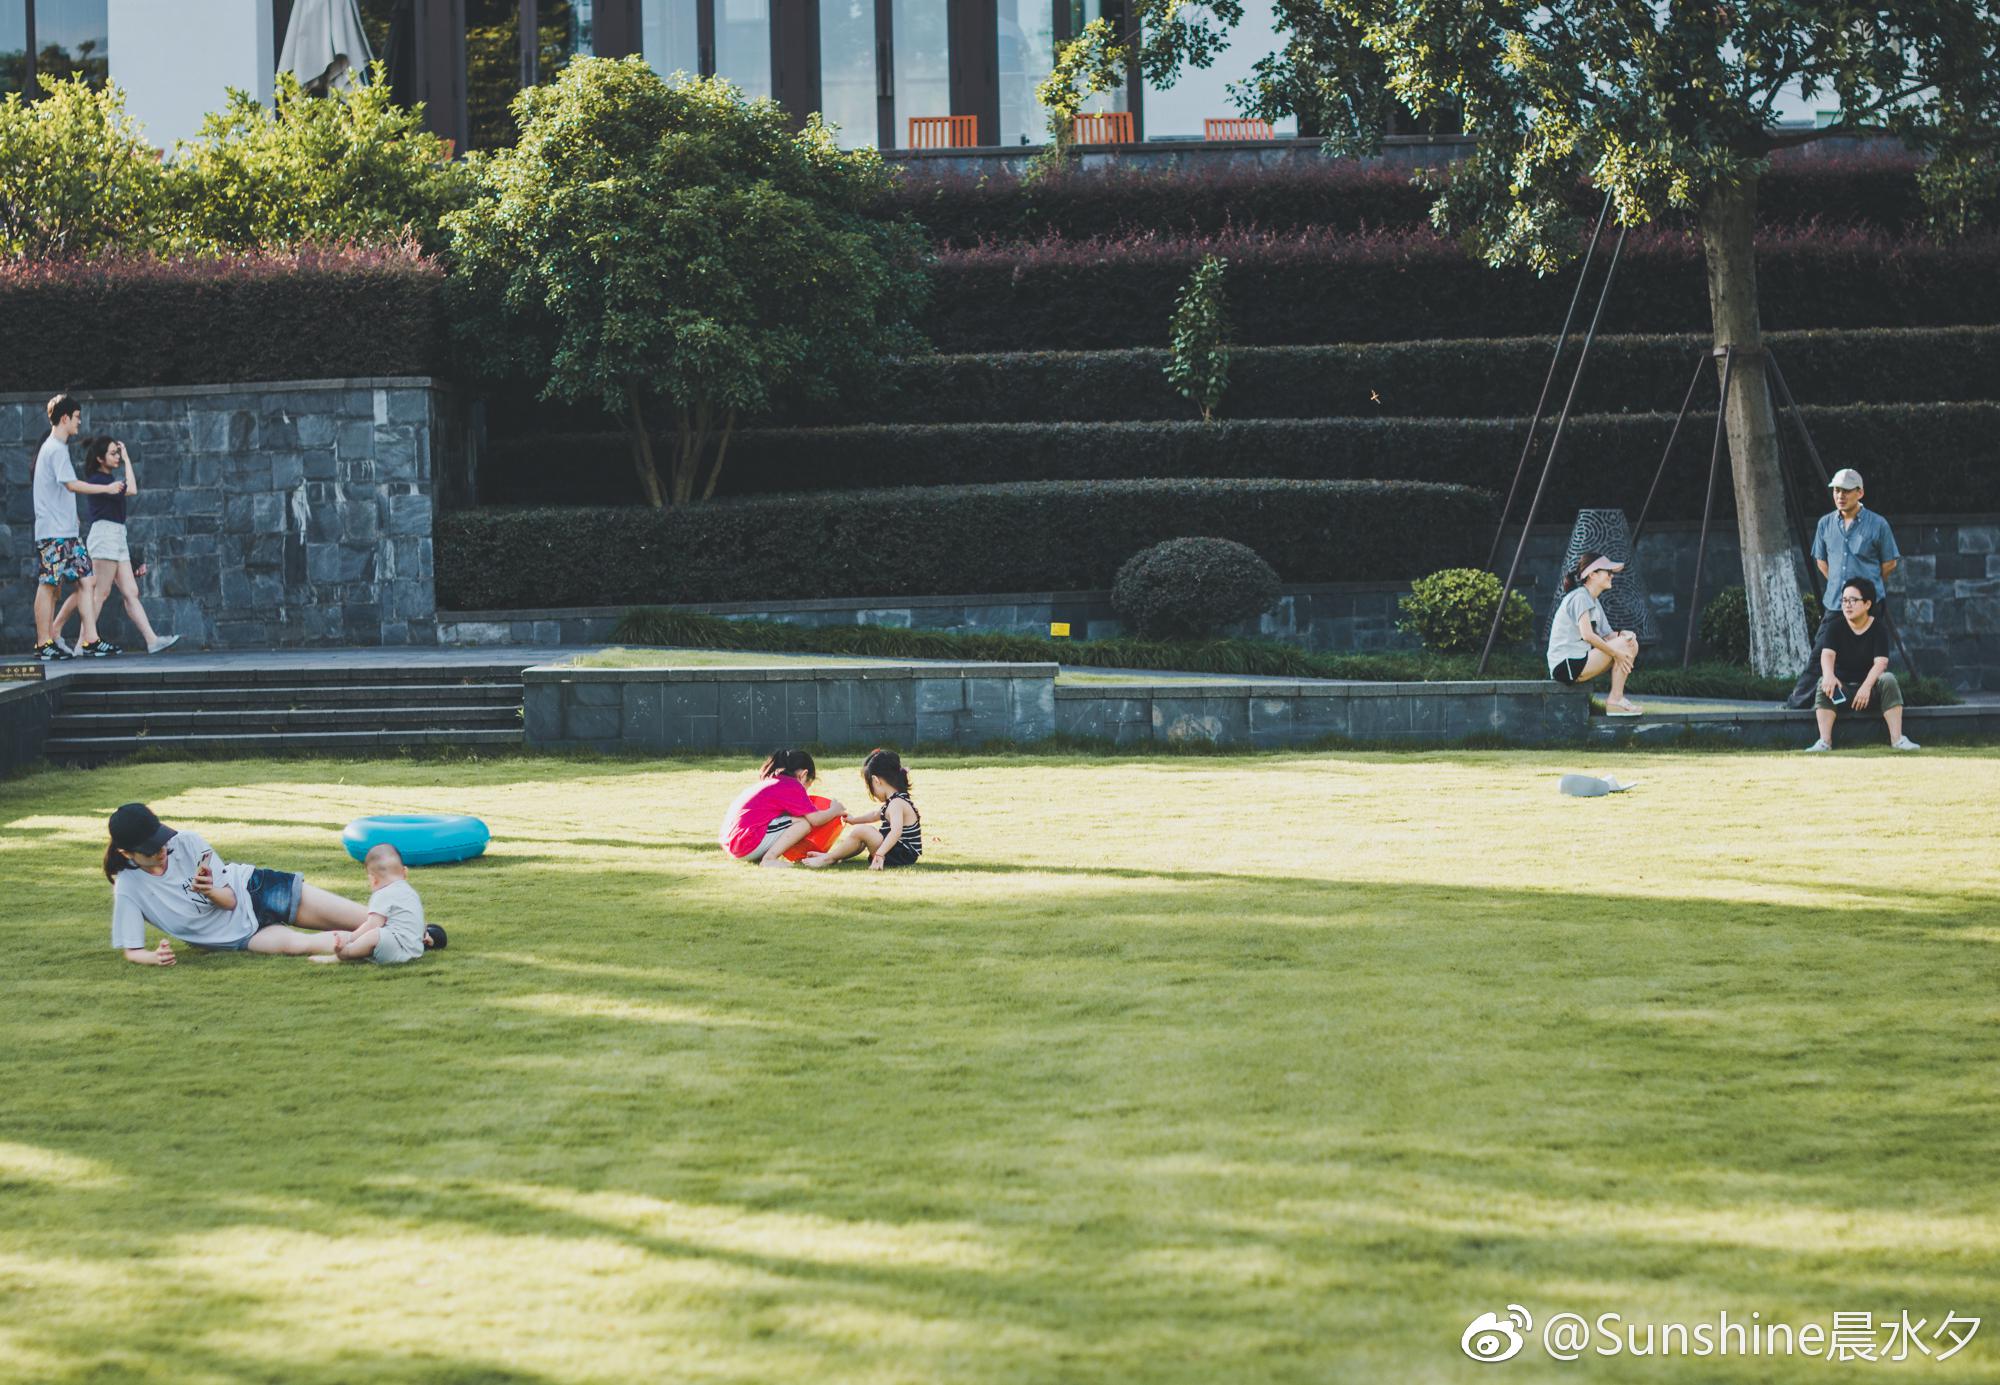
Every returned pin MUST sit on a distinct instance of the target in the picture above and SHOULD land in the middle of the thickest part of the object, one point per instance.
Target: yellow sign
(1059, 629)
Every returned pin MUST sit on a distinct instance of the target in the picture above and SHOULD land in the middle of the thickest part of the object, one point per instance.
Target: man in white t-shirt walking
(60, 555)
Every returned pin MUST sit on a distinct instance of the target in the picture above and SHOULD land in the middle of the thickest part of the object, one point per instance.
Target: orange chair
(1104, 127)
(1236, 127)
(944, 131)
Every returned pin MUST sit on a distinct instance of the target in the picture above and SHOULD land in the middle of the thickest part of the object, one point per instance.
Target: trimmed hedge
(1918, 458)
(1876, 188)
(1315, 287)
(911, 542)
(303, 315)
(1469, 378)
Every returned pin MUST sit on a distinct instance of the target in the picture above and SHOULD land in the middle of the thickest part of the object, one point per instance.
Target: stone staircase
(108, 711)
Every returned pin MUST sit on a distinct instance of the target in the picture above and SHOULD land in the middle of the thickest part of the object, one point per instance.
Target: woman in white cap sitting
(1582, 643)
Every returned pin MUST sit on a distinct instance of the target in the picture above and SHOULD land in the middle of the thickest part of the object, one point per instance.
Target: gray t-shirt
(402, 913)
(55, 503)
(171, 904)
(1564, 640)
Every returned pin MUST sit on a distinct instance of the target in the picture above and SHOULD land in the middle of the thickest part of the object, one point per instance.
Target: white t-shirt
(402, 915)
(171, 904)
(1565, 639)
(55, 503)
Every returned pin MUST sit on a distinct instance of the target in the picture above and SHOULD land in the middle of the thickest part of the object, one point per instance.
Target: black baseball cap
(135, 827)
(434, 936)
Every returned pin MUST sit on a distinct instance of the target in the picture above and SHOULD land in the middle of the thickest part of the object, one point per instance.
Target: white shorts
(772, 831)
(107, 542)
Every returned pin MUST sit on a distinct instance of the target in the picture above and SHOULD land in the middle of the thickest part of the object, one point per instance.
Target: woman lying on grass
(892, 836)
(174, 881)
(1582, 643)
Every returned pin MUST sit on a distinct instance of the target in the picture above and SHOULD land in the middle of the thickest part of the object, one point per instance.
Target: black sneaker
(51, 652)
(103, 649)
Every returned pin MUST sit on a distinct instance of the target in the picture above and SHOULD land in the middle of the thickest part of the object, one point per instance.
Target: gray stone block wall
(757, 710)
(25, 712)
(274, 515)
(1275, 715)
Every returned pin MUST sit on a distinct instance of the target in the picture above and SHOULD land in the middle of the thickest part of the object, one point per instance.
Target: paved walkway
(409, 656)
(417, 656)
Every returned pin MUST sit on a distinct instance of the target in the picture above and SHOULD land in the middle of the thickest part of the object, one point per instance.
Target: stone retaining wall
(761, 709)
(1273, 715)
(25, 712)
(971, 705)
(270, 515)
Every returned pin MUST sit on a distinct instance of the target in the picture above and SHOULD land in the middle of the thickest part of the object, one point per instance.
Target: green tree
(76, 176)
(351, 166)
(1198, 363)
(1669, 107)
(678, 250)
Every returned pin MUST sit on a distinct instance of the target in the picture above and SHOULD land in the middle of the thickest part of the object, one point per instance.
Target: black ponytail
(887, 766)
(114, 862)
(790, 762)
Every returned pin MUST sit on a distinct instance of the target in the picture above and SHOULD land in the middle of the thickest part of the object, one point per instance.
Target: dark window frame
(31, 69)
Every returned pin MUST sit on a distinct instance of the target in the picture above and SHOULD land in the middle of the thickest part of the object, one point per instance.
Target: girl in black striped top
(893, 835)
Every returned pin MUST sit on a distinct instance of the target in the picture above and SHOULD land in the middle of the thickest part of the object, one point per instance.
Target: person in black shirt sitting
(1853, 654)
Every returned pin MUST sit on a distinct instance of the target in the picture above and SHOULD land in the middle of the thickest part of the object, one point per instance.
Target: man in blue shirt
(1852, 541)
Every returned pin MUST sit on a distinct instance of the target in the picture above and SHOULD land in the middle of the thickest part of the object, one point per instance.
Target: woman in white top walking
(1582, 643)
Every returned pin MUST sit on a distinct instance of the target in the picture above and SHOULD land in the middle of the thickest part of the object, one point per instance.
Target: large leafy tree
(675, 252)
(1670, 107)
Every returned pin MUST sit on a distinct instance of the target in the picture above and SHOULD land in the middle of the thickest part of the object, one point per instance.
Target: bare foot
(815, 860)
(775, 863)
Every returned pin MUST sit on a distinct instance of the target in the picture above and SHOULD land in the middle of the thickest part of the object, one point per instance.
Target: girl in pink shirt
(774, 815)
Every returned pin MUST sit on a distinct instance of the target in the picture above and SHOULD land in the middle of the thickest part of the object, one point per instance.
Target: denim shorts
(274, 896)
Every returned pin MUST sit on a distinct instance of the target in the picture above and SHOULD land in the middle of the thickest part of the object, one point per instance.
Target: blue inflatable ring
(425, 839)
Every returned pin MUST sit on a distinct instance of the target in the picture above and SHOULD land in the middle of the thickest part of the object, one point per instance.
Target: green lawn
(1271, 1068)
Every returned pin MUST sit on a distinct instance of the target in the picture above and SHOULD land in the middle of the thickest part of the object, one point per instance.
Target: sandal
(1623, 709)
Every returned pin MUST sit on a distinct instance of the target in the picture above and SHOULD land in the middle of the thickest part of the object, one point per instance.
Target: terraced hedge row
(1918, 458)
(1314, 288)
(1471, 378)
(966, 539)
(1875, 188)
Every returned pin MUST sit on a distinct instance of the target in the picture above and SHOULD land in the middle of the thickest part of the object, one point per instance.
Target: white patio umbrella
(325, 45)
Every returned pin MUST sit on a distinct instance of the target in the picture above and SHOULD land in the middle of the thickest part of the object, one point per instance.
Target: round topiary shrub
(1451, 610)
(1725, 623)
(1191, 588)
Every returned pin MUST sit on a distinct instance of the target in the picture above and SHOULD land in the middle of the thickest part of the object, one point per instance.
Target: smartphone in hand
(1838, 697)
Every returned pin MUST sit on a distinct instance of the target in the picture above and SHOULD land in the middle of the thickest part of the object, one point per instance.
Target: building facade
(870, 66)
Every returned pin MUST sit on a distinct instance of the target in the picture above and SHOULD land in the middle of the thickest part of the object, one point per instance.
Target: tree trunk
(1779, 640)
(642, 450)
(721, 451)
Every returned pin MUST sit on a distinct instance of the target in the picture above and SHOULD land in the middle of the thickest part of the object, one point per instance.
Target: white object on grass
(1590, 786)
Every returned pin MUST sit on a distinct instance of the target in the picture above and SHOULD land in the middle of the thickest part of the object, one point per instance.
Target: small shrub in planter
(1725, 623)
(1451, 611)
(1191, 588)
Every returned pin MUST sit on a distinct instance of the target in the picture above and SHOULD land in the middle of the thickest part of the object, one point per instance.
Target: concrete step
(125, 673)
(96, 749)
(118, 697)
(154, 721)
